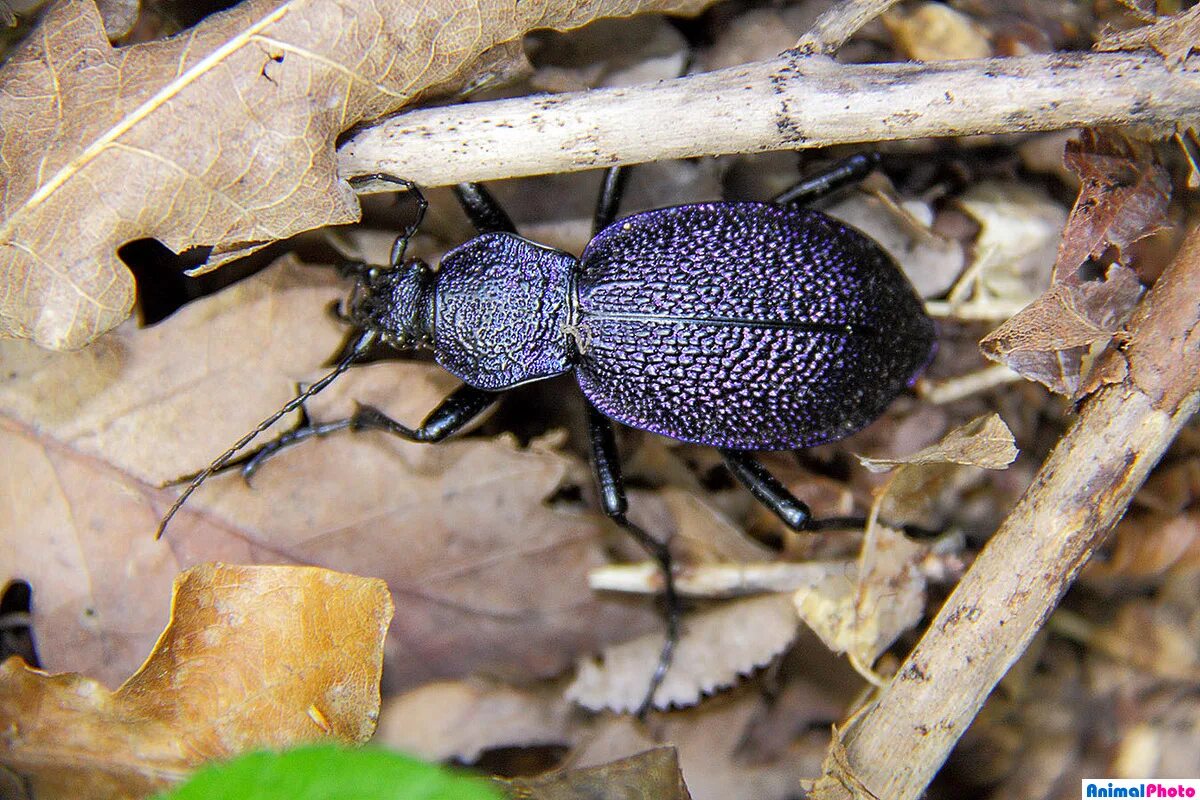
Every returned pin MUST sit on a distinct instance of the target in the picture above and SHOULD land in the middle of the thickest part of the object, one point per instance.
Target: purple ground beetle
(744, 326)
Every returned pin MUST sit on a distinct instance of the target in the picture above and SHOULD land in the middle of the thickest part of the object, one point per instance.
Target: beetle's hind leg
(450, 416)
(612, 500)
(778, 499)
(767, 489)
(837, 175)
(791, 510)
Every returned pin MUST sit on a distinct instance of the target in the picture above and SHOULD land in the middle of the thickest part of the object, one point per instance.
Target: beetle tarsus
(302, 432)
(361, 346)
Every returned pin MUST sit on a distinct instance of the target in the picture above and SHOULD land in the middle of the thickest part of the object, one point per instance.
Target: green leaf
(326, 772)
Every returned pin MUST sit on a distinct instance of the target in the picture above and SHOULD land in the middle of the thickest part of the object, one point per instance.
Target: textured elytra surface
(222, 136)
(745, 325)
(501, 315)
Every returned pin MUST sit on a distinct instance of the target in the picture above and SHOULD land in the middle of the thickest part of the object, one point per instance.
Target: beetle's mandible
(744, 326)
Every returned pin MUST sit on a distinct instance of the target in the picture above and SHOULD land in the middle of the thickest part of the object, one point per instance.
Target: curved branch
(789, 102)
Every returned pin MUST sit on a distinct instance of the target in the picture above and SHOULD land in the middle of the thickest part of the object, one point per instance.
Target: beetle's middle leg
(612, 500)
(487, 215)
(449, 417)
(837, 175)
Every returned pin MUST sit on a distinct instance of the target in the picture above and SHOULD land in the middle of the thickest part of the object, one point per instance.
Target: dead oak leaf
(462, 719)
(932, 476)
(711, 739)
(253, 657)
(222, 136)
(1123, 197)
(863, 617)
(652, 773)
(863, 614)
(983, 442)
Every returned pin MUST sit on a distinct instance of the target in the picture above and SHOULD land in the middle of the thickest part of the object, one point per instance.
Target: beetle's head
(395, 303)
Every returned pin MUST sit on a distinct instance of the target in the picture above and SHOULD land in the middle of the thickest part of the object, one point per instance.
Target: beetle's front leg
(401, 242)
(450, 416)
(612, 500)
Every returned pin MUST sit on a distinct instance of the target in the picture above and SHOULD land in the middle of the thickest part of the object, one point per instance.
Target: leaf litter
(95, 461)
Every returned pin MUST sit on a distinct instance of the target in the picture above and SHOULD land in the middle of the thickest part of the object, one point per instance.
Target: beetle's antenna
(361, 345)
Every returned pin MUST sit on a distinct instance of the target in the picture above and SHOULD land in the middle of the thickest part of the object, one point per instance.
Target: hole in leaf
(16, 631)
(513, 762)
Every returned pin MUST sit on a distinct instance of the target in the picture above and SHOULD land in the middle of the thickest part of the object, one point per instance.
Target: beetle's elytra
(748, 326)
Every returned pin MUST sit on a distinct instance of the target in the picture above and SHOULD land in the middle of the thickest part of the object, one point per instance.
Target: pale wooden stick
(789, 102)
(897, 745)
(835, 27)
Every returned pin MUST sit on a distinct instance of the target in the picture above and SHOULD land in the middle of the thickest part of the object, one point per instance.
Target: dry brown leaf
(1049, 339)
(1173, 37)
(915, 489)
(1123, 197)
(983, 442)
(653, 773)
(253, 657)
(723, 743)
(222, 136)
(710, 738)
(864, 617)
(461, 719)
(1020, 229)
(716, 648)
(703, 535)
(485, 575)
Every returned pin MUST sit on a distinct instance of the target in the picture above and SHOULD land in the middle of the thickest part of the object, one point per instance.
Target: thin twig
(1082, 489)
(789, 102)
(835, 27)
